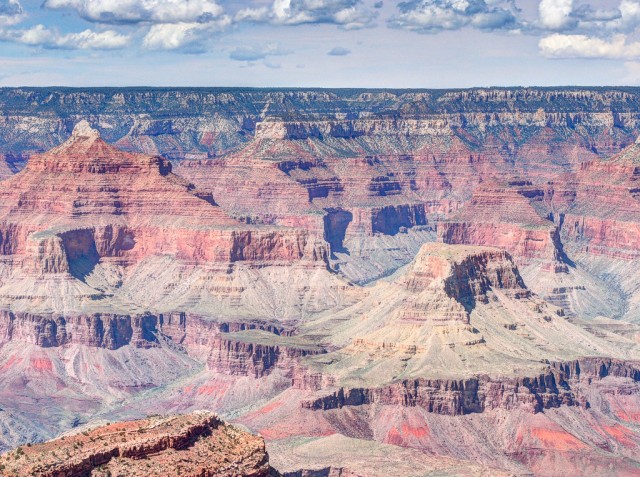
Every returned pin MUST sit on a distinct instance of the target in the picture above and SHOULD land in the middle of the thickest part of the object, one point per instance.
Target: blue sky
(324, 43)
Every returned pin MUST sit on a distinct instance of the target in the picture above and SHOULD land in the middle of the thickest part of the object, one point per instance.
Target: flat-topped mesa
(464, 272)
(86, 152)
(447, 281)
(192, 444)
(474, 267)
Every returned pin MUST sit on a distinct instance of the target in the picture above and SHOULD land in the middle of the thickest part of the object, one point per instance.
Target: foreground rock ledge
(197, 444)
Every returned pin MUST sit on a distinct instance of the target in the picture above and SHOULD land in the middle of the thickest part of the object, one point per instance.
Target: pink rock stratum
(372, 296)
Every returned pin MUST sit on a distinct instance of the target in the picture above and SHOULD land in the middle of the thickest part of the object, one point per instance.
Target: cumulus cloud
(583, 31)
(189, 37)
(11, 12)
(10, 7)
(566, 15)
(582, 46)
(431, 16)
(43, 37)
(136, 11)
(625, 18)
(556, 14)
(184, 25)
(339, 51)
(349, 14)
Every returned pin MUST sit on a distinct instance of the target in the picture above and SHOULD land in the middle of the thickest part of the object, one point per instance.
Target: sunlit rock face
(370, 271)
(193, 444)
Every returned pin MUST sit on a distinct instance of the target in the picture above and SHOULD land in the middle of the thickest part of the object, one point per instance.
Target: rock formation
(116, 213)
(450, 272)
(193, 444)
(86, 209)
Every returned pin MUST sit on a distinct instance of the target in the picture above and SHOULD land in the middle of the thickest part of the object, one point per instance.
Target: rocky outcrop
(233, 348)
(588, 369)
(244, 358)
(447, 281)
(467, 272)
(557, 386)
(100, 330)
(457, 397)
(192, 444)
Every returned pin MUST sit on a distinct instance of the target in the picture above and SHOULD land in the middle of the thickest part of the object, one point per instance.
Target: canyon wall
(198, 123)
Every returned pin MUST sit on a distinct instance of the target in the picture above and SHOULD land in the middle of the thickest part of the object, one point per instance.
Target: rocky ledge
(197, 444)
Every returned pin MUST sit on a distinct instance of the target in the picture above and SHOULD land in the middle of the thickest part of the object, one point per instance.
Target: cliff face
(198, 123)
(552, 389)
(199, 256)
(5, 168)
(230, 348)
(100, 330)
(196, 444)
(116, 213)
(385, 161)
(83, 215)
(482, 167)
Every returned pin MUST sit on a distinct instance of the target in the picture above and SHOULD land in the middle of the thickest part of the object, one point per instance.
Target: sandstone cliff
(197, 444)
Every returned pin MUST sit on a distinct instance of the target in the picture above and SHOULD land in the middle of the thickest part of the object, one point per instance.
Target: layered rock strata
(195, 444)
(116, 214)
(552, 389)
(232, 348)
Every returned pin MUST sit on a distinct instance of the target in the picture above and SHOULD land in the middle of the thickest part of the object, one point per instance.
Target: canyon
(375, 281)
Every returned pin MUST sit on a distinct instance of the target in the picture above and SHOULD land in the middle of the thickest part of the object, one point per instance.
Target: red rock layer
(196, 444)
(502, 216)
(87, 201)
(603, 216)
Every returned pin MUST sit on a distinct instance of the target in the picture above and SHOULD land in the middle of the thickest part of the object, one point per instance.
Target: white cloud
(88, 39)
(565, 15)
(627, 18)
(556, 14)
(431, 16)
(583, 46)
(172, 24)
(349, 14)
(11, 12)
(41, 36)
(178, 36)
(135, 11)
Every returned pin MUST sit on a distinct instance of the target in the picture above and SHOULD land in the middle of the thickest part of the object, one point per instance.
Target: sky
(319, 43)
